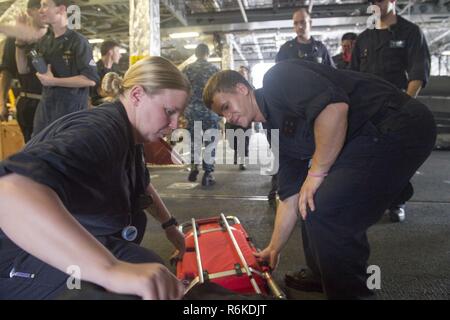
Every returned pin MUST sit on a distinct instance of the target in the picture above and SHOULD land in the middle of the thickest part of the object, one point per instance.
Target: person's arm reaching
(21, 31)
(38, 222)
(330, 129)
(285, 220)
(160, 212)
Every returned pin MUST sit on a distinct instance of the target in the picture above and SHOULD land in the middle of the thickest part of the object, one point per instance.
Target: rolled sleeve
(8, 56)
(418, 57)
(304, 92)
(85, 63)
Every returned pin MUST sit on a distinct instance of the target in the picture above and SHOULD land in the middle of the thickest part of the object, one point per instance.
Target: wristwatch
(171, 222)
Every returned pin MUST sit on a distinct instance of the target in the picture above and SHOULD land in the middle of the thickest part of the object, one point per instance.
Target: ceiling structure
(257, 27)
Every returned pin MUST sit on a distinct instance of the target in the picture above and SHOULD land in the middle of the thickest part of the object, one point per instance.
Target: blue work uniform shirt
(398, 54)
(89, 158)
(314, 51)
(295, 92)
(69, 55)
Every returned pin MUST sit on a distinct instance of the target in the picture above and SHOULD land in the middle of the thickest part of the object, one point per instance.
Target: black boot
(208, 179)
(193, 174)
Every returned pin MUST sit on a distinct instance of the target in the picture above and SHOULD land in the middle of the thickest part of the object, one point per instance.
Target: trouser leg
(48, 282)
(368, 176)
(26, 109)
(210, 146)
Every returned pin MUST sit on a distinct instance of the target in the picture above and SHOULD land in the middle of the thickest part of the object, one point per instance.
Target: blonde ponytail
(112, 85)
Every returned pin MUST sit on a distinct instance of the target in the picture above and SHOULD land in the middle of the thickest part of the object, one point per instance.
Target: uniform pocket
(394, 59)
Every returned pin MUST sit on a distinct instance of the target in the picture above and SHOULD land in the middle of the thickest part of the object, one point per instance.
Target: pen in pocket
(15, 273)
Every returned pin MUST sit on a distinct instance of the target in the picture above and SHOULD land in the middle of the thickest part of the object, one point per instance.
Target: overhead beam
(179, 11)
(310, 6)
(439, 37)
(116, 15)
(266, 14)
(407, 7)
(238, 49)
(243, 13)
(319, 23)
(258, 48)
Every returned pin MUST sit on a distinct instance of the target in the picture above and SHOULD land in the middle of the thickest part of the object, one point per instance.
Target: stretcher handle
(273, 286)
(197, 252)
(200, 222)
(241, 256)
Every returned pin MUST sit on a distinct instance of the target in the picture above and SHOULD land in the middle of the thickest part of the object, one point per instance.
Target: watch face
(129, 233)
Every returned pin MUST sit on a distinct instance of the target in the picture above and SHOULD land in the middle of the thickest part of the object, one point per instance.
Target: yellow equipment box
(11, 139)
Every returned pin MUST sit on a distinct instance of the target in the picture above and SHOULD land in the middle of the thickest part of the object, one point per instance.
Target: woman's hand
(268, 255)
(175, 236)
(150, 281)
(306, 195)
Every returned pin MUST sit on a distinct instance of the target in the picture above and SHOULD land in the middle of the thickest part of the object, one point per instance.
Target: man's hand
(306, 195)
(175, 236)
(150, 281)
(268, 255)
(47, 79)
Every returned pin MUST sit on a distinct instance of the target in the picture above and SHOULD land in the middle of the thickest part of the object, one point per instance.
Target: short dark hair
(222, 81)
(244, 67)
(202, 50)
(108, 45)
(349, 36)
(304, 10)
(66, 3)
(34, 4)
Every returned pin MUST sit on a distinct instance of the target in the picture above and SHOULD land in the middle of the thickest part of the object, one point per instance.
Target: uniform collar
(65, 35)
(123, 112)
(259, 96)
(313, 41)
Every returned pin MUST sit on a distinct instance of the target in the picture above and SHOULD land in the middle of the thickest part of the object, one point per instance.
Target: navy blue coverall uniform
(389, 136)
(30, 86)
(69, 55)
(314, 51)
(89, 158)
(399, 55)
